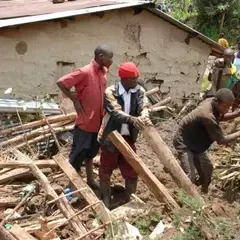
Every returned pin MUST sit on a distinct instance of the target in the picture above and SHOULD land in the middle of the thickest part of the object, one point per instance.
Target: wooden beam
(157, 188)
(20, 233)
(169, 162)
(88, 194)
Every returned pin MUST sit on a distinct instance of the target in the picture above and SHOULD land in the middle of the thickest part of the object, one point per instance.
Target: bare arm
(230, 116)
(229, 138)
(66, 91)
(67, 82)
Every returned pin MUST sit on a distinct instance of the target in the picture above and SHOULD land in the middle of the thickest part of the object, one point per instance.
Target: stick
(65, 195)
(52, 131)
(163, 102)
(62, 203)
(93, 230)
(19, 164)
(38, 123)
(157, 109)
(152, 91)
(76, 214)
(17, 207)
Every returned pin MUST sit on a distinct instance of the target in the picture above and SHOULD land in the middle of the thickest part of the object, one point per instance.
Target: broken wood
(38, 123)
(23, 201)
(32, 134)
(157, 109)
(19, 173)
(169, 162)
(20, 233)
(76, 214)
(52, 224)
(78, 183)
(152, 91)
(5, 234)
(62, 203)
(68, 194)
(10, 201)
(157, 188)
(18, 164)
(162, 103)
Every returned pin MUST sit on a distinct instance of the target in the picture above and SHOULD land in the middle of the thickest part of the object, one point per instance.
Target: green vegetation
(211, 17)
(192, 233)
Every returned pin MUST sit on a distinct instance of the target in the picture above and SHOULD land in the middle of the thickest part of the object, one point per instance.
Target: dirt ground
(223, 204)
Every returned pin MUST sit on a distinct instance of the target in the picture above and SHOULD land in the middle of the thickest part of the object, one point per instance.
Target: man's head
(103, 56)
(228, 55)
(128, 73)
(221, 35)
(224, 99)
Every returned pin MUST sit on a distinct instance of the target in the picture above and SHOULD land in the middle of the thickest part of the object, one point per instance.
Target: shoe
(105, 191)
(130, 188)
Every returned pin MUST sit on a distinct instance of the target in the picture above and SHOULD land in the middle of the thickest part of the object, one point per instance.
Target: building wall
(35, 55)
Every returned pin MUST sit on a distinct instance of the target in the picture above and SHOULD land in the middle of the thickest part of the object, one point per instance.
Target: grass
(192, 233)
(144, 223)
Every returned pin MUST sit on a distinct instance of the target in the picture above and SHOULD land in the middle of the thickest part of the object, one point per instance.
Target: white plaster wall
(155, 45)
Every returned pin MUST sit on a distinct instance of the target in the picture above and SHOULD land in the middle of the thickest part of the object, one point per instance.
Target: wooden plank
(62, 203)
(39, 163)
(52, 224)
(20, 233)
(10, 201)
(88, 194)
(19, 173)
(157, 188)
(5, 234)
(169, 162)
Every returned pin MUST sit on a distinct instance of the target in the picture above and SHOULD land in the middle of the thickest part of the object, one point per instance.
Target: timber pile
(23, 218)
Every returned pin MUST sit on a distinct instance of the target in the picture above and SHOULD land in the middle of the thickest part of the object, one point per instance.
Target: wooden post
(169, 161)
(88, 194)
(62, 203)
(157, 188)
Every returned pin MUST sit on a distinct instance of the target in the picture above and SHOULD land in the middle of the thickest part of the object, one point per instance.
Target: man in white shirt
(126, 107)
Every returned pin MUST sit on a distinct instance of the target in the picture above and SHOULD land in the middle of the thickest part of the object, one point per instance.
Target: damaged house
(41, 41)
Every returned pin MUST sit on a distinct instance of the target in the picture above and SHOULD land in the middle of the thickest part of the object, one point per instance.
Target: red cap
(128, 70)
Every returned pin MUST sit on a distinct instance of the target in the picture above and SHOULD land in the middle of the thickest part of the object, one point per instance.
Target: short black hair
(225, 95)
(104, 50)
(236, 89)
(221, 35)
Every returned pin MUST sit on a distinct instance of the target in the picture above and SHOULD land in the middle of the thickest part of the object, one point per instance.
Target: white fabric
(126, 96)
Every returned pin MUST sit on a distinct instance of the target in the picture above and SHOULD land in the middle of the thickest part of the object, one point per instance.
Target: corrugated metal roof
(17, 12)
(10, 106)
(26, 8)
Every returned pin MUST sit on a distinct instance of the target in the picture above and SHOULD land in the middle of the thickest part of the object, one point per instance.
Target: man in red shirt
(89, 83)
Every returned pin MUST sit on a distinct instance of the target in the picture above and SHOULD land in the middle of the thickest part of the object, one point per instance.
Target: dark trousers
(191, 161)
(85, 146)
(112, 160)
